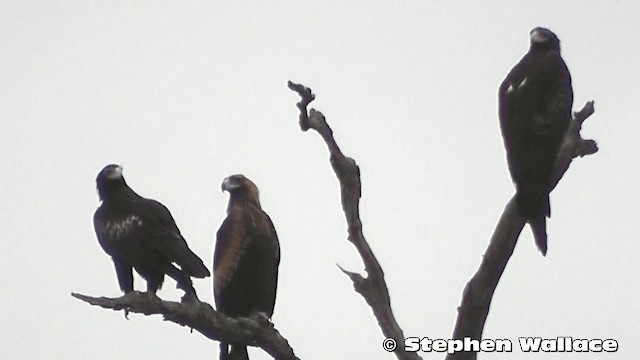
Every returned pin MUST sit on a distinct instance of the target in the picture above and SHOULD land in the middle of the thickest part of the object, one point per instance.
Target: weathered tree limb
(200, 316)
(477, 295)
(373, 288)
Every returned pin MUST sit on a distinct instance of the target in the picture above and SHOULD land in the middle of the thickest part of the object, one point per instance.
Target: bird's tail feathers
(533, 203)
(539, 228)
(189, 262)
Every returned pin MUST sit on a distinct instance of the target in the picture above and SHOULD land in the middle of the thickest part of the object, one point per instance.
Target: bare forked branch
(200, 316)
(373, 288)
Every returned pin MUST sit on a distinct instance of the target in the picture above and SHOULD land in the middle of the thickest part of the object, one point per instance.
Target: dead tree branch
(373, 287)
(477, 295)
(200, 316)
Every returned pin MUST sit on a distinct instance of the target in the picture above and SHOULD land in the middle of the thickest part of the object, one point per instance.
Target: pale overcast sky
(184, 94)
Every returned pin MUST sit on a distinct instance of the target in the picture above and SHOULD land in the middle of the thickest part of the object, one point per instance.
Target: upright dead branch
(200, 316)
(478, 293)
(373, 288)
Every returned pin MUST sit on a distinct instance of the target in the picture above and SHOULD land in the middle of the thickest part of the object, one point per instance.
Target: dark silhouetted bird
(141, 233)
(246, 258)
(535, 103)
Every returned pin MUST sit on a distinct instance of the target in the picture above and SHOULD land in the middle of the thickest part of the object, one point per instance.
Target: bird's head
(542, 38)
(241, 188)
(108, 178)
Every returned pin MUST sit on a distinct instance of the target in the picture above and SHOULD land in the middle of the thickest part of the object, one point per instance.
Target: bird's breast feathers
(113, 230)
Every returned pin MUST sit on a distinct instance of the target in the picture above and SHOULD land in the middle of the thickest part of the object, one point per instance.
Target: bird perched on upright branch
(141, 233)
(535, 103)
(246, 259)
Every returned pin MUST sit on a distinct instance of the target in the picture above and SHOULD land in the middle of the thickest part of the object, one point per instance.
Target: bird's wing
(512, 121)
(269, 260)
(163, 235)
(556, 87)
(99, 226)
(232, 240)
(546, 102)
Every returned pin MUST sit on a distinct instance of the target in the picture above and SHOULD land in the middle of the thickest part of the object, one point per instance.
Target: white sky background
(184, 95)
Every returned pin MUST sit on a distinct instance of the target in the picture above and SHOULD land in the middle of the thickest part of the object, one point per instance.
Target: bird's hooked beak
(114, 173)
(538, 36)
(228, 184)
